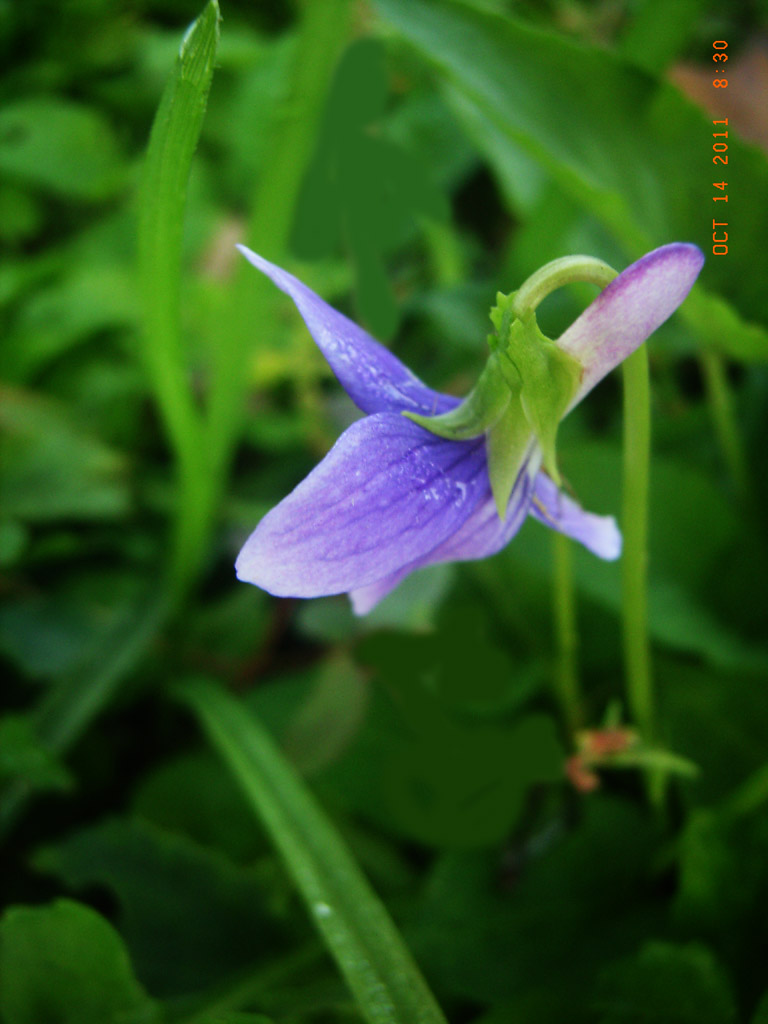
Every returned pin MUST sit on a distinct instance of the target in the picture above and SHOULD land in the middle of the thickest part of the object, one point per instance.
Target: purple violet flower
(391, 497)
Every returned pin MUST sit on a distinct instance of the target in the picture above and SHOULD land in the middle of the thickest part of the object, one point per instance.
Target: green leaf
(329, 718)
(355, 925)
(65, 963)
(722, 887)
(90, 298)
(14, 539)
(20, 215)
(452, 770)
(60, 146)
(658, 32)
(559, 906)
(69, 707)
(232, 1017)
(24, 758)
(665, 984)
(717, 719)
(52, 468)
(457, 785)
(761, 1013)
(62, 627)
(195, 796)
(362, 187)
(716, 323)
(623, 145)
(717, 881)
(189, 916)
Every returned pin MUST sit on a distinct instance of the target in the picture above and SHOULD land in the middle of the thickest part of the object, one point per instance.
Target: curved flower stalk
(393, 496)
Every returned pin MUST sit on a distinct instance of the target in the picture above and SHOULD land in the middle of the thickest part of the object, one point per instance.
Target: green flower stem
(557, 273)
(353, 922)
(636, 476)
(726, 429)
(566, 632)
(539, 285)
(322, 34)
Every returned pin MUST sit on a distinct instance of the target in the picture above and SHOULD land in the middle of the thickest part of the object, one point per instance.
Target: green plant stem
(724, 421)
(566, 633)
(322, 34)
(553, 275)
(354, 924)
(636, 477)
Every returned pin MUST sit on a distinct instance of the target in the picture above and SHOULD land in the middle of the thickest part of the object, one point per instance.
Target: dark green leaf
(51, 467)
(23, 758)
(493, 928)
(761, 1013)
(60, 146)
(624, 145)
(65, 963)
(189, 916)
(665, 984)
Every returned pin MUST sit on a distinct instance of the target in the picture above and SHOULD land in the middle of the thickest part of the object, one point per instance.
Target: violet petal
(629, 310)
(365, 599)
(482, 534)
(551, 506)
(372, 376)
(386, 495)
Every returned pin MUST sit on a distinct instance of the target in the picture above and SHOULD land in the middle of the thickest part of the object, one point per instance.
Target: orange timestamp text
(720, 148)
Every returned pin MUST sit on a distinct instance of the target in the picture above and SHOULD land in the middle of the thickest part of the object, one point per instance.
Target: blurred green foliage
(407, 158)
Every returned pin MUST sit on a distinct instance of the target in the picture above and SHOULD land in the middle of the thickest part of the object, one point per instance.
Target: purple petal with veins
(387, 493)
(372, 376)
(482, 534)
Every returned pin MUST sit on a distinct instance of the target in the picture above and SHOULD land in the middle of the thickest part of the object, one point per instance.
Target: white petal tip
(610, 541)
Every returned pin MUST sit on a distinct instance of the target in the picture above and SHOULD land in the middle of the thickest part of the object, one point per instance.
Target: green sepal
(502, 315)
(547, 378)
(480, 410)
(506, 444)
(523, 393)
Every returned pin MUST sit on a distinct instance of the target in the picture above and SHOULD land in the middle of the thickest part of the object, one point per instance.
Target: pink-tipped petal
(629, 310)
(386, 495)
(599, 534)
(372, 376)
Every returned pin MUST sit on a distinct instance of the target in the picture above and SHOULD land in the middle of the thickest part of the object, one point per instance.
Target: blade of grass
(172, 144)
(377, 966)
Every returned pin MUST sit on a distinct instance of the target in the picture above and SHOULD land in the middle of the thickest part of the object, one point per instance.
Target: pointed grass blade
(356, 927)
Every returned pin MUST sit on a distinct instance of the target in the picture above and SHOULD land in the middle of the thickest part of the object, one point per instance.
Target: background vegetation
(407, 158)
